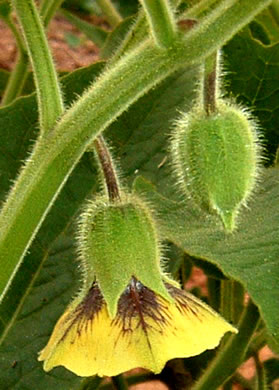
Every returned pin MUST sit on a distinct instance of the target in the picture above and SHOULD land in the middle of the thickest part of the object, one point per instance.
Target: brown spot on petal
(139, 302)
(91, 304)
(184, 301)
(85, 312)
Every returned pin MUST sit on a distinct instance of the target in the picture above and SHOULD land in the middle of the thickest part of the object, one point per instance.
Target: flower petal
(147, 332)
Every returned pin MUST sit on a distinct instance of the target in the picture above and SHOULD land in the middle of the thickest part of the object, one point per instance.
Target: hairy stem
(110, 176)
(19, 73)
(260, 372)
(229, 359)
(210, 84)
(49, 96)
(161, 21)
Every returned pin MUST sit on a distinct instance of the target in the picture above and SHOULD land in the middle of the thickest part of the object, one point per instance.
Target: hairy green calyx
(117, 241)
(216, 158)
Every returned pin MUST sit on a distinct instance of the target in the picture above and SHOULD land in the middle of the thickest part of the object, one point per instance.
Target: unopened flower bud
(216, 158)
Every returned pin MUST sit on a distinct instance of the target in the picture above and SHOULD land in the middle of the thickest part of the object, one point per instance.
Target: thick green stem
(137, 34)
(161, 20)
(48, 9)
(55, 155)
(119, 382)
(49, 96)
(19, 73)
(229, 359)
(111, 13)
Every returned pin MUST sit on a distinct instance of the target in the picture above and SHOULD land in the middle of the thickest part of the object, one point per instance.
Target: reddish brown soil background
(68, 58)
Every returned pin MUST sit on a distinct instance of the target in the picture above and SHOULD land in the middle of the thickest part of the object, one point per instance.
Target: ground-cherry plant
(121, 179)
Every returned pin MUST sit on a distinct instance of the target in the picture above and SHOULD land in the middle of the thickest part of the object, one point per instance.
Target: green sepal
(118, 241)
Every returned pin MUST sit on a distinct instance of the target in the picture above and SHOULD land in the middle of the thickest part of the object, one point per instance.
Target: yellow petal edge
(107, 347)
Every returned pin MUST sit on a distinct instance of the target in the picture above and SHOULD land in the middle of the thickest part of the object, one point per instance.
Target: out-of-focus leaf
(271, 367)
(127, 7)
(94, 33)
(4, 75)
(5, 9)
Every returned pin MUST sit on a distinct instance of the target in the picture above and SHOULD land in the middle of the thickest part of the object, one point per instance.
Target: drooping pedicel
(216, 159)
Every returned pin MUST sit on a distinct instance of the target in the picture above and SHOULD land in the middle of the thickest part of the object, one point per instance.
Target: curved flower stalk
(146, 332)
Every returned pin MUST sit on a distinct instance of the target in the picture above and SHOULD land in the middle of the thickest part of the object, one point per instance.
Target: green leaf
(259, 32)
(256, 82)
(140, 136)
(250, 255)
(269, 24)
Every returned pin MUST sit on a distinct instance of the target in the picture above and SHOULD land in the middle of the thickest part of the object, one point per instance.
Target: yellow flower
(146, 332)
